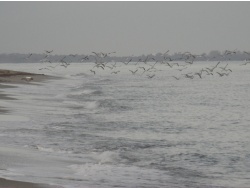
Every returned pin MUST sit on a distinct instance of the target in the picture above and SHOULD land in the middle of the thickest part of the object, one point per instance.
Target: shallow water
(124, 130)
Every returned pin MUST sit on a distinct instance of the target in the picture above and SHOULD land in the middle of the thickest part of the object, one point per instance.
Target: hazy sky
(129, 28)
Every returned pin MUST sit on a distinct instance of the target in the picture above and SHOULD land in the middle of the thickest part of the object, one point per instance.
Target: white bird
(27, 78)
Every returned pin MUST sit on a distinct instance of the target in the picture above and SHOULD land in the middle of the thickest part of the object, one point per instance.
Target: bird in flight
(199, 74)
(133, 72)
(222, 74)
(115, 72)
(27, 78)
(245, 63)
(150, 76)
(48, 52)
(29, 56)
(176, 77)
(212, 69)
(92, 71)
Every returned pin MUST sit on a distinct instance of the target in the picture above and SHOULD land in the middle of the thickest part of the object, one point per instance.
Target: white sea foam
(106, 157)
(12, 118)
(91, 104)
(51, 150)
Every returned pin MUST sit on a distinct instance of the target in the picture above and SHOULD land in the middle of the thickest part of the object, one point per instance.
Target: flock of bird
(148, 66)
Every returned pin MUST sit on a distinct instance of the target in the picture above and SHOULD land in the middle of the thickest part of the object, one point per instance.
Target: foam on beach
(13, 118)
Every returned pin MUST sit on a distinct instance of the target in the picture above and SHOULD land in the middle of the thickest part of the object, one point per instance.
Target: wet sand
(17, 77)
(18, 184)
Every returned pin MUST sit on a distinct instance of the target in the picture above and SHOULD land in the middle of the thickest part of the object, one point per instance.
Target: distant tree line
(37, 58)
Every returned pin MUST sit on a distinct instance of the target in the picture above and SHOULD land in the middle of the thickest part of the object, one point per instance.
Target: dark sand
(18, 184)
(17, 77)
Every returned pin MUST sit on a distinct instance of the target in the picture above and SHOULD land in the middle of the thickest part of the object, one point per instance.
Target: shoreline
(7, 78)
(4, 183)
(18, 77)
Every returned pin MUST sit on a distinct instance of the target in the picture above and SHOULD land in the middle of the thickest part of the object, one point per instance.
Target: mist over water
(124, 130)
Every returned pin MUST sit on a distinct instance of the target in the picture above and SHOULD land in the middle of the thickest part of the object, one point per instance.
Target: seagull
(115, 72)
(224, 68)
(46, 55)
(92, 71)
(222, 74)
(63, 59)
(145, 61)
(189, 76)
(227, 52)
(106, 54)
(204, 70)
(165, 58)
(64, 65)
(48, 52)
(140, 60)
(190, 62)
(44, 68)
(97, 54)
(176, 77)
(153, 66)
(182, 69)
(27, 78)
(166, 52)
(150, 76)
(84, 58)
(142, 68)
(188, 55)
(109, 67)
(212, 69)
(146, 70)
(73, 55)
(169, 64)
(245, 63)
(133, 72)
(100, 65)
(128, 61)
(29, 56)
(199, 74)
(111, 52)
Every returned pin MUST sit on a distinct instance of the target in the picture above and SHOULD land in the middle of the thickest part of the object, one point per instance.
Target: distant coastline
(37, 58)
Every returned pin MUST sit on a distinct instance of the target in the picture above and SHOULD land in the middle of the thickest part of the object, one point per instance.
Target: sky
(128, 28)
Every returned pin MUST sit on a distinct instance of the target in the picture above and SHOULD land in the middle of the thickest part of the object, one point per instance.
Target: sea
(118, 127)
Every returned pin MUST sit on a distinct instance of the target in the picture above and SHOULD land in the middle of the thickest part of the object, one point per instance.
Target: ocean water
(123, 130)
